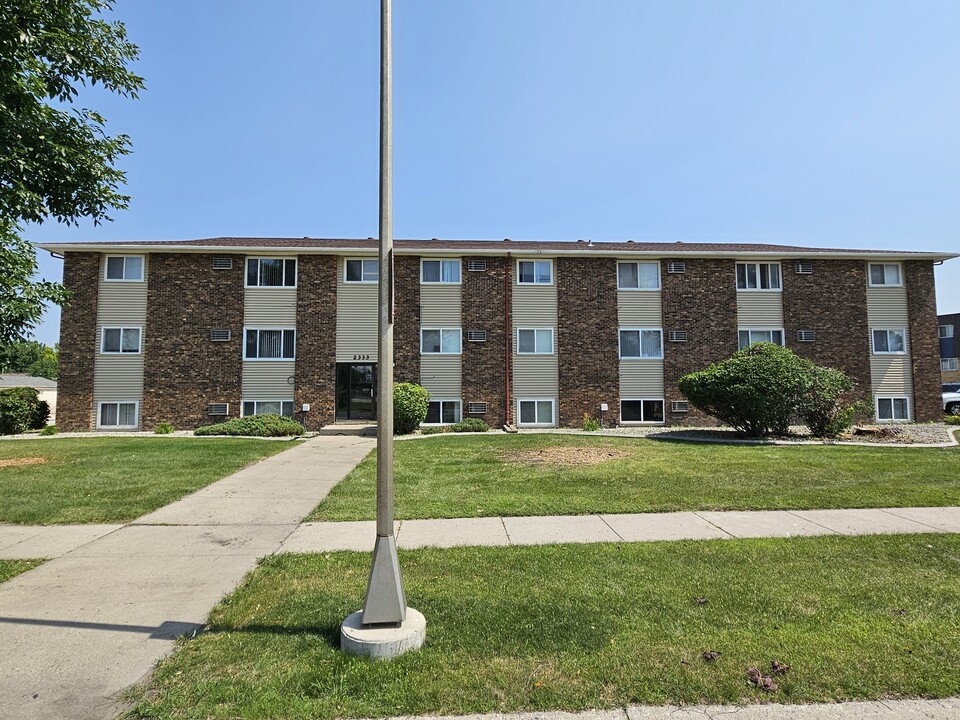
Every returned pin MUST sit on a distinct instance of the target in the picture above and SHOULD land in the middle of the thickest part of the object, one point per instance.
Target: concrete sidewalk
(80, 629)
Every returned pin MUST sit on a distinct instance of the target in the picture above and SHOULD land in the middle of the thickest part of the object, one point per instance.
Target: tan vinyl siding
(118, 377)
(891, 375)
(639, 308)
(270, 307)
(268, 379)
(536, 376)
(887, 307)
(440, 306)
(641, 379)
(535, 306)
(441, 376)
(758, 309)
(122, 304)
(356, 318)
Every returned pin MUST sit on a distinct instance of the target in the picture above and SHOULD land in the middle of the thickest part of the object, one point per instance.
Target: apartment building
(530, 333)
(949, 333)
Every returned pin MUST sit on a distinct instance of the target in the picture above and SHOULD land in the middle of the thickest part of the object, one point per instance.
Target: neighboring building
(949, 332)
(532, 333)
(46, 389)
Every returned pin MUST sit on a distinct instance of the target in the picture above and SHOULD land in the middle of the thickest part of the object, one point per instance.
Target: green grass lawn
(467, 477)
(587, 626)
(12, 568)
(108, 480)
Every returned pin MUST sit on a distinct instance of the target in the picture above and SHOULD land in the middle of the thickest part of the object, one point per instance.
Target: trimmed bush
(434, 430)
(952, 419)
(254, 426)
(21, 409)
(409, 407)
(470, 425)
(164, 428)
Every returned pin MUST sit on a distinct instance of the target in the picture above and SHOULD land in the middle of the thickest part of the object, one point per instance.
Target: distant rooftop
(12, 380)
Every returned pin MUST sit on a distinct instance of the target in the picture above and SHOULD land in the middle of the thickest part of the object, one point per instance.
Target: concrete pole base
(382, 642)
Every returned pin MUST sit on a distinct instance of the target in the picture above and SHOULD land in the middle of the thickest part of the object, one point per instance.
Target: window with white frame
(122, 341)
(440, 341)
(535, 341)
(644, 343)
(117, 414)
(885, 275)
(535, 272)
(443, 412)
(946, 331)
(268, 407)
(124, 268)
(361, 271)
(948, 364)
(440, 271)
(758, 276)
(890, 409)
(269, 344)
(889, 342)
(641, 411)
(750, 336)
(638, 276)
(535, 411)
(271, 272)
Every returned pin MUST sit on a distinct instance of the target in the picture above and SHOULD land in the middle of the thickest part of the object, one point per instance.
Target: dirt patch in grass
(569, 456)
(20, 462)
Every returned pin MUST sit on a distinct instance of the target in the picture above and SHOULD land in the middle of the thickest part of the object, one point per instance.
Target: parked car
(951, 403)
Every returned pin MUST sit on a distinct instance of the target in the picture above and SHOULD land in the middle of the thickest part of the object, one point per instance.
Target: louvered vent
(218, 409)
(476, 408)
(806, 335)
(680, 406)
(477, 265)
(678, 336)
(476, 335)
(222, 263)
(804, 268)
(220, 335)
(676, 267)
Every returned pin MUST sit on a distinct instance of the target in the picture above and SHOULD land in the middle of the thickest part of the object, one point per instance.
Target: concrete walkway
(80, 629)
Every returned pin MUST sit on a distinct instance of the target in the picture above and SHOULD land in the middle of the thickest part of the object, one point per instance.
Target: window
(362, 271)
(268, 407)
(948, 364)
(885, 275)
(440, 271)
(889, 341)
(946, 331)
(125, 341)
(641, 343)
(535, 342)
(749, 337)
(272, 344)
(758, 276)
(271, 272)
(535, 411)
(124, 268)
(638, 276)
(890, 409)
(442, 412)
(117, 415)
(535, 272)
(440, 341)
(641, 411)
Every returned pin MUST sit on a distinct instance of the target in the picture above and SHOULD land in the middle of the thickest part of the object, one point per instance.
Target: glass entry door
(356, 391)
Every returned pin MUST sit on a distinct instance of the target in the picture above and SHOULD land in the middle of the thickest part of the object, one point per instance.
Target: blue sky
(811, 123)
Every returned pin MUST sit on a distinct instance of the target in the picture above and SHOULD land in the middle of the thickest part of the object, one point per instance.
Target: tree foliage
(29, 357)
(56, 161)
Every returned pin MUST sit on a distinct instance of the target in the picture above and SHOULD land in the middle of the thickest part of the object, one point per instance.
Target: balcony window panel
(649, 276)
(430, 341)
(271, 272)
(628, 276)
(111, 340)
(290, 272)
(126, 414)
(545, 412)
(653, 410)
(114, 269)
(251, 343)
(130, 341)
(650, 343)
(430, 271)
(108, 414)
(450, 342)
(629, 343)
(253, 274)
(270, 344)
(133, 268)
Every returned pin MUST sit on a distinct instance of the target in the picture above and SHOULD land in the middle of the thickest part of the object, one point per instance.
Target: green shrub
(434, 429)
(409, 407)
(21, 409)
(49, 430)
(164, 428)
(590, 424)
(255, 426)
(952, 419)
(821, 404)
(470, 425)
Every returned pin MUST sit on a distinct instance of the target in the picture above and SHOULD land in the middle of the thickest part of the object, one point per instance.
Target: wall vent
(804, 268)
(476, 335)
(476, 408)
(477, 265)
(218, 409)
(680, 406)
(221, 335)
(806, 336)
(678, 336)
(676, 267)
(223, 263)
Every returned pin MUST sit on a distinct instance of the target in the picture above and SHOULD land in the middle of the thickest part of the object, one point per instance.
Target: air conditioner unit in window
(476, 408)
(804, 268)
(477, 265)
(218, 409)
(676, 267)
(221, 335)
(476, 335)
(678, 336)
(222, 263)
(680, 406)
(806, 336)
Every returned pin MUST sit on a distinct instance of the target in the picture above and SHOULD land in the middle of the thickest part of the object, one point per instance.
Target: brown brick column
(184, 371)
(316, 368)
(703, 302)
(924, 340)
(406, 327)
(832, 301)
(78, 342)
(587, 342)
(483, 307)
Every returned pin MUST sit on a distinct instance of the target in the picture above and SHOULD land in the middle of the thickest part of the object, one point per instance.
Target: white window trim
(870, 282)
(873, 347)
(643, 422)
(103, 336)
(941, 334)
(783, 335)
(443, 400)
(441, 330)
(638, 357)
(143, 269)
(260, 328)
(947, 368)
(535, 283)
(361, 281)
(439, 282)
(758, 263)
(553, 411)
(136, 413)
(244, 402)
(639, 289)
(553, 341)
(876, 408)
(258, 258)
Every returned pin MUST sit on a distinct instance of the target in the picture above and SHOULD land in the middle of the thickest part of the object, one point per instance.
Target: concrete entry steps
(350, 428)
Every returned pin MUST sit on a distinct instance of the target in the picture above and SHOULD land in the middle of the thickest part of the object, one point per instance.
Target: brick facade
(406, 319)
(587, 342)
(924, 342)
(703, 302)
(78, 342)
(950, 347)
(184, 371)
(484, 307)
(316, 367)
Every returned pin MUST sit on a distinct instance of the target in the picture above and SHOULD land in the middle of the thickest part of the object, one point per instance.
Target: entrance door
(356, 391)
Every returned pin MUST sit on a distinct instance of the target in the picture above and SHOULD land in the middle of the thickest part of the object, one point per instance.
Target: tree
(29, 357)
(56, 161)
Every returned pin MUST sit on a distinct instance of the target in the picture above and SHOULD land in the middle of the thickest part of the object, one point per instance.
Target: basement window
(893, 409)
(442, 412)
(535, 412)
(118, 415)
(641, 411)
(268, 407)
